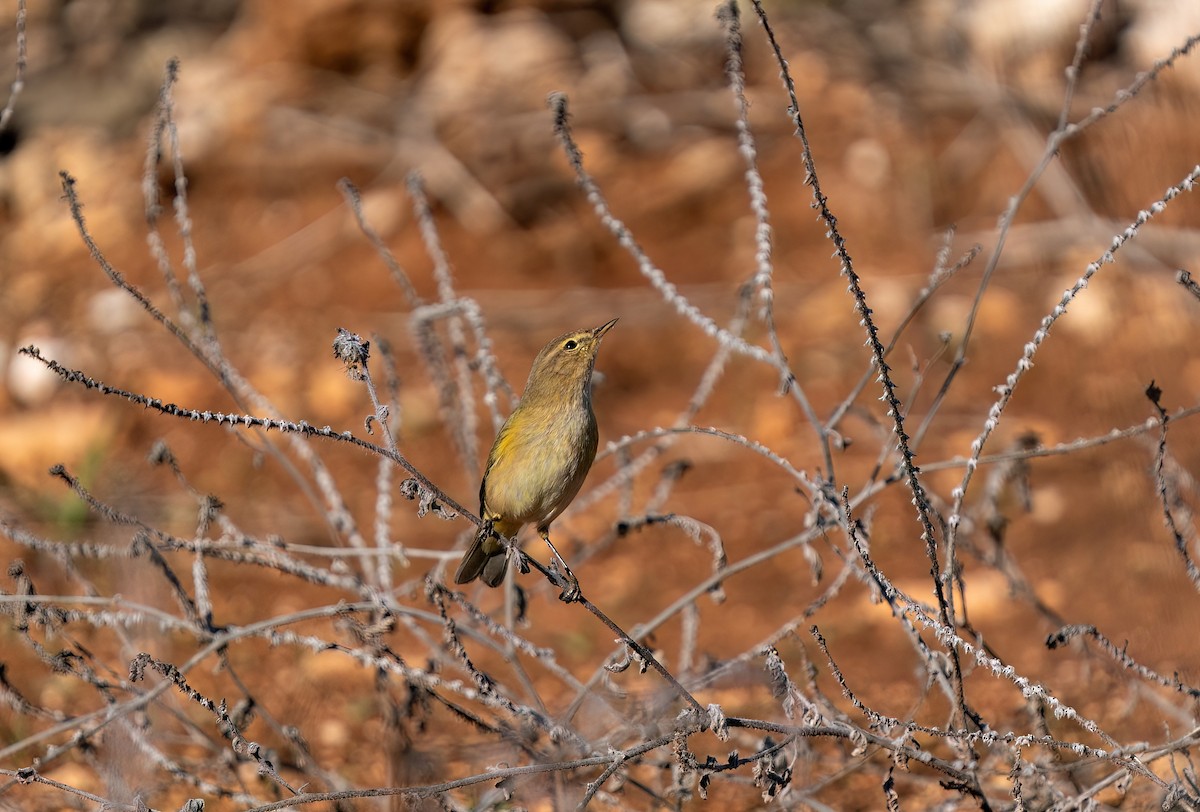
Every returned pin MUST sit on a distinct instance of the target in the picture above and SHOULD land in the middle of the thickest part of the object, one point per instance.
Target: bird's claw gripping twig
(562, 577)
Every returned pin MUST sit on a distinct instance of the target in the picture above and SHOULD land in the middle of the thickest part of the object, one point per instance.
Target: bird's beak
(602, 329)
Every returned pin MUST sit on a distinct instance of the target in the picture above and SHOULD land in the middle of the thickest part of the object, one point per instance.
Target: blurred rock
(1024, 38)
(28, 381)
(112, 311)
(669, 25)
(473, 62)
(99, 63)
(867, 162)
(356, 37)
(1158, 26)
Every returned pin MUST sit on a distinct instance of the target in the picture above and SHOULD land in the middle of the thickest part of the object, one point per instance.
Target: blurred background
(924, 116)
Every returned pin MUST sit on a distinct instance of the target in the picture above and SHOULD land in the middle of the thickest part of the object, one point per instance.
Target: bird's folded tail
(486, 559)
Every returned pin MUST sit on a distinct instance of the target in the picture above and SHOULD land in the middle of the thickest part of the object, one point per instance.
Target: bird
(541, 454)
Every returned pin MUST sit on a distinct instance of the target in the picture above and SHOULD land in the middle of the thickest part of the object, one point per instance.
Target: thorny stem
(890, 396)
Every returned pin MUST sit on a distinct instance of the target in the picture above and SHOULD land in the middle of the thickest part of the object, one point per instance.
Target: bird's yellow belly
(531, 482)
(531, 489)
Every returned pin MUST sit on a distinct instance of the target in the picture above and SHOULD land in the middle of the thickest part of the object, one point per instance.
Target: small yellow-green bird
(541, 455)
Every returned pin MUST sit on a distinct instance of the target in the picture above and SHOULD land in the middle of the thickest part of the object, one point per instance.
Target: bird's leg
(570, 583)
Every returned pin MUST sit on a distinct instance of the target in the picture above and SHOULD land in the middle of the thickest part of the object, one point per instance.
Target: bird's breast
(538, 463)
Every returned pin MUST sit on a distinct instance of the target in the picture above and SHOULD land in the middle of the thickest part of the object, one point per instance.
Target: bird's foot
(561, 576)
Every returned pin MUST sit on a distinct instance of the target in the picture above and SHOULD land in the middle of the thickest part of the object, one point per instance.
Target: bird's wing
(499, 446)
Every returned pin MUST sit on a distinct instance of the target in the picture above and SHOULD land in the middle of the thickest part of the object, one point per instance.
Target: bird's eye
(570, 345)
